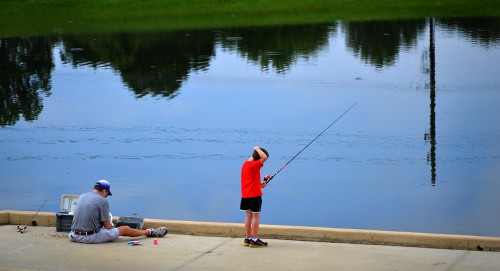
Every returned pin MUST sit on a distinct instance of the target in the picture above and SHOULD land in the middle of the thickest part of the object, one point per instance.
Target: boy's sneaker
(258, 243)
(159, 232)
(247, 242)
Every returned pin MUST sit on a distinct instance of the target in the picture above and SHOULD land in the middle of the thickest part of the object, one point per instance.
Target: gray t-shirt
(91, 209)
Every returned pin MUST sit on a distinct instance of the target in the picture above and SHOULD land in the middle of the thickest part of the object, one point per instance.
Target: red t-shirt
(250, 179)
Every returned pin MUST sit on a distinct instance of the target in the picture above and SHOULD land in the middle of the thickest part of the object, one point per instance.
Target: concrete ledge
(319, 234)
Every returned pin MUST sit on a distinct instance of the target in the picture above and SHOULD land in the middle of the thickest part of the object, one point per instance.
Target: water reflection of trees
(277, 47)
(158, 63)
(485, 31)
(149, 63)
(25, 75)
(379, 43)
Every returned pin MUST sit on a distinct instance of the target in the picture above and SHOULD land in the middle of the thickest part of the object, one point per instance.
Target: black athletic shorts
(251, 204)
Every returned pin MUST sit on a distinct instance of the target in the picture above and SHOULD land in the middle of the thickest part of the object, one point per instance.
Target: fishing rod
(33, 222)
(268, 178)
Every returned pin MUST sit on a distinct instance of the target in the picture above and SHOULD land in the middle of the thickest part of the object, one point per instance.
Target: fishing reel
(267, 178)
(21, 229)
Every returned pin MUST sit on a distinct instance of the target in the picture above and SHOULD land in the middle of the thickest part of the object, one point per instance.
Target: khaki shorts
(104, 235)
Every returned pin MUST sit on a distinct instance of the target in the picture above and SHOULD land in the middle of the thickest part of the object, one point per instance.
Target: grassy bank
(34, 17)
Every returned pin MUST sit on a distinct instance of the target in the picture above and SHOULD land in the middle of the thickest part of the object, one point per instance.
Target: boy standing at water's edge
(251, 195)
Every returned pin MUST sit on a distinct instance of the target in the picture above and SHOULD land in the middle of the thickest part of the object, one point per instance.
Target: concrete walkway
(194, 245)
(42, 248)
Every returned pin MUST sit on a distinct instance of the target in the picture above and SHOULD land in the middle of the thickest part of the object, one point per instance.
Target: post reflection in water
(431, 136)
(176, 111)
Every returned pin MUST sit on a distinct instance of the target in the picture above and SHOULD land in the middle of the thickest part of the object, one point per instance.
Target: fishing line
(33, 222)
(268, 178)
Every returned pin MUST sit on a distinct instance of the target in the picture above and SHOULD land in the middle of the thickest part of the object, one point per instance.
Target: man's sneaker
(247, 242)
(160, 232)
(258, 243)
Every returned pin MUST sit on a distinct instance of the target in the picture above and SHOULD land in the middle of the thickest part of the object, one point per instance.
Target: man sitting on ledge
(92, 221)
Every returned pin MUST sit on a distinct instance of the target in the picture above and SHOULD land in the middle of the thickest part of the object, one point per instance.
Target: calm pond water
(169, 117)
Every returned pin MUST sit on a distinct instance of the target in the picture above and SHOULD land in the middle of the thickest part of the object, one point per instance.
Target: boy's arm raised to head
(262, 154)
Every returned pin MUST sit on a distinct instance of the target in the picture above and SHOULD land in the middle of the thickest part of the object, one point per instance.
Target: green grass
(40, 17)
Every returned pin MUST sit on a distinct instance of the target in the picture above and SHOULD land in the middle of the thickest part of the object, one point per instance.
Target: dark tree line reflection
(158, 63)
(149, 63)
(379, 43)
(277, 47)
(483, 31)
(25, 73)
